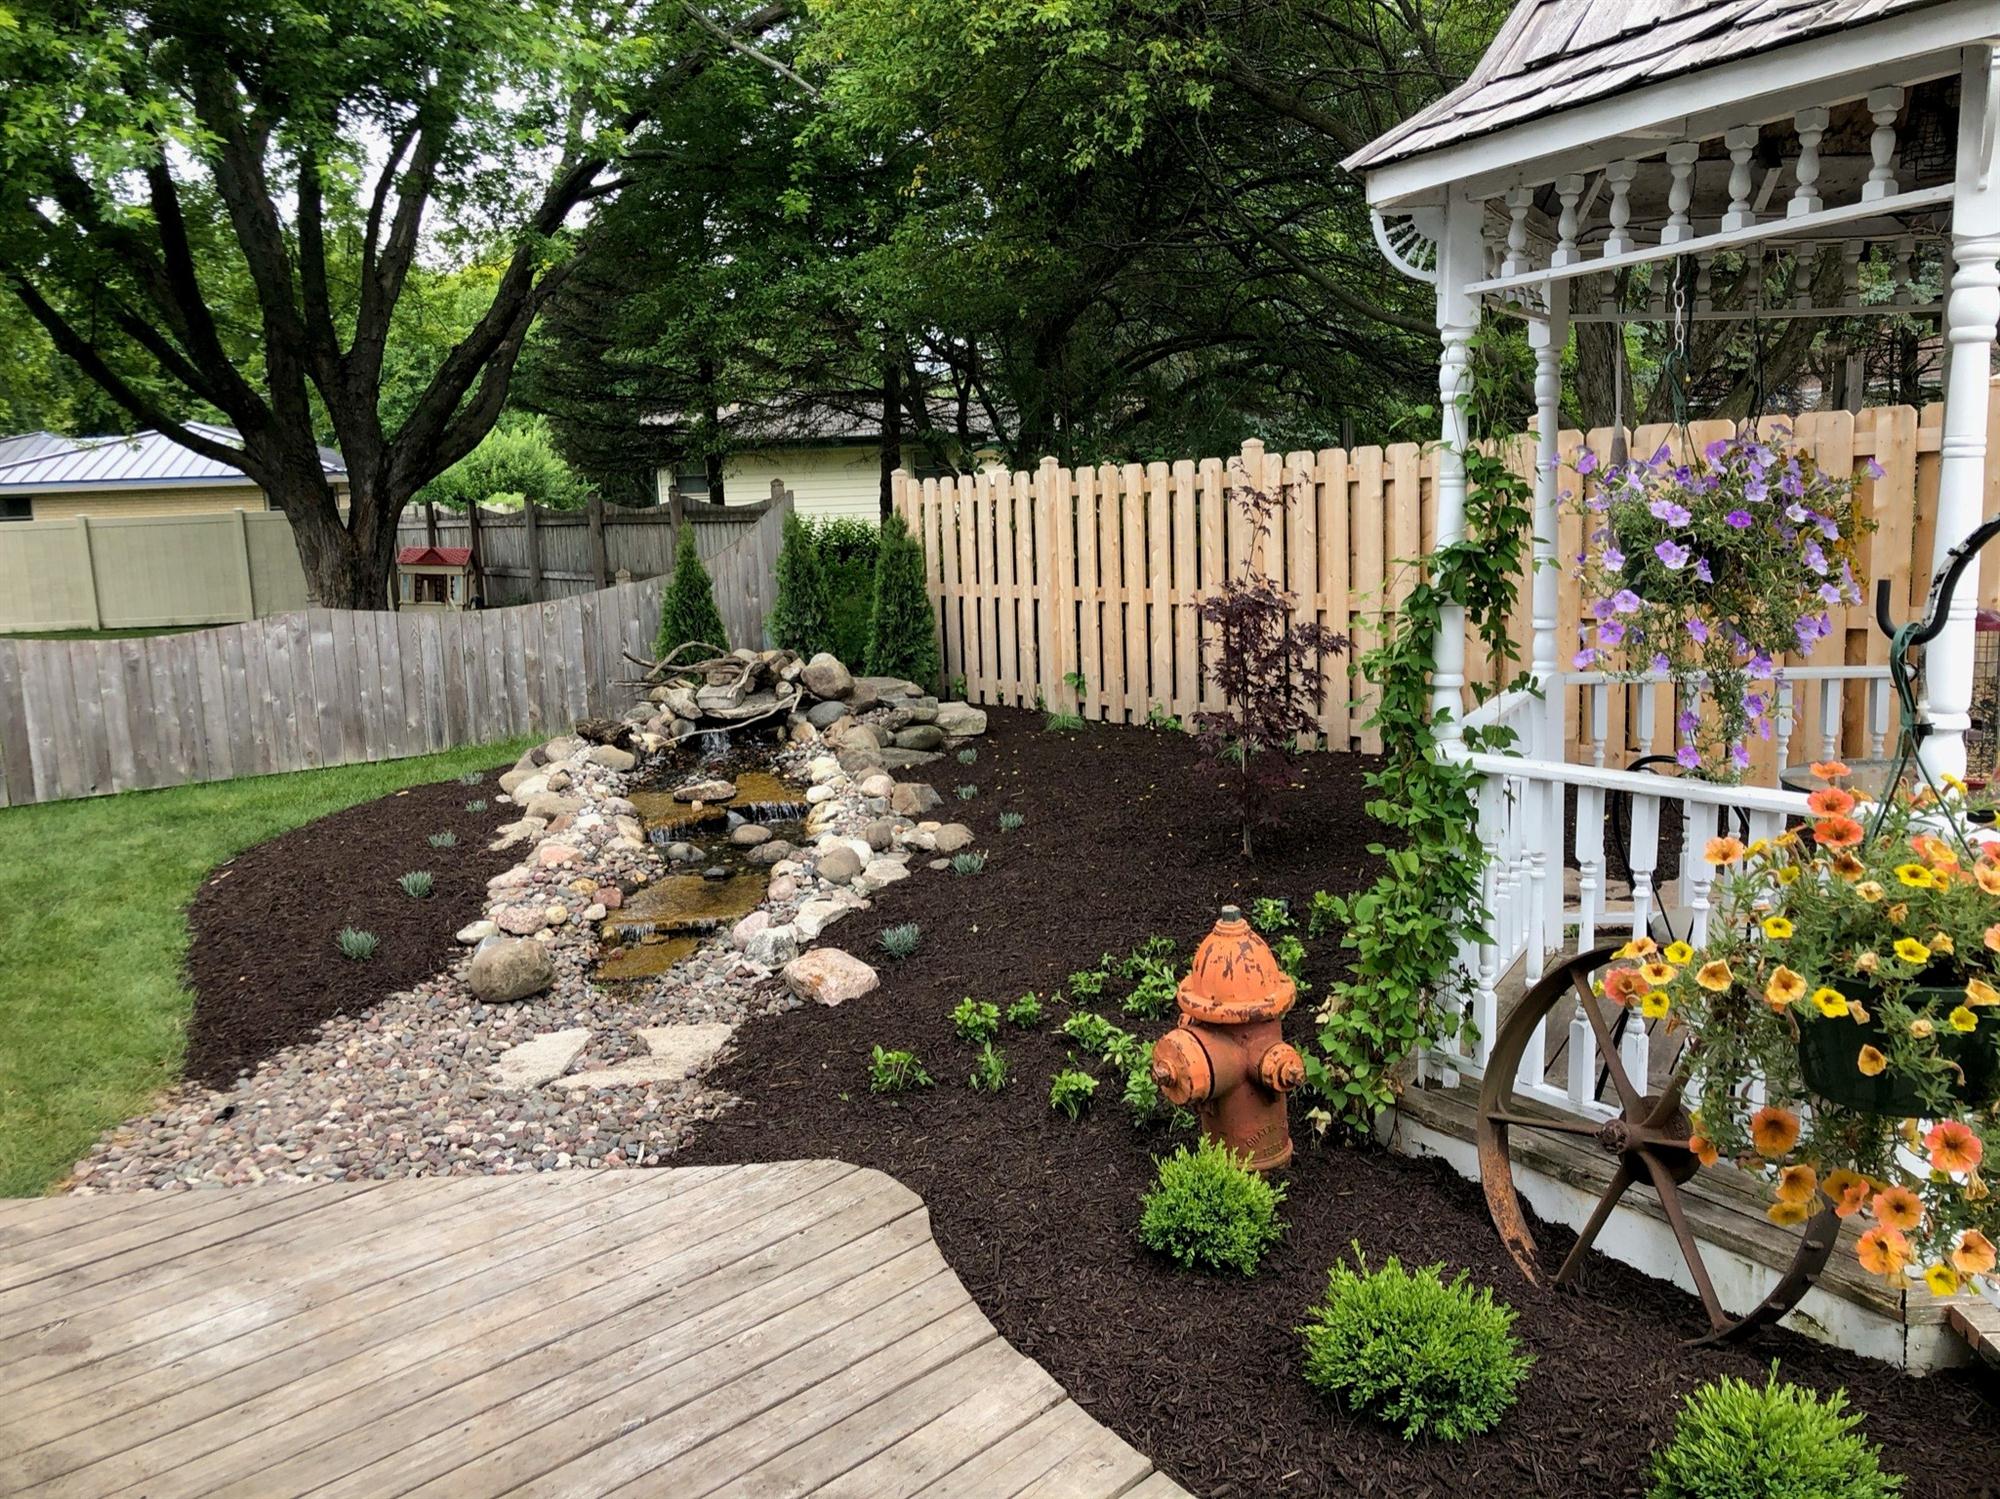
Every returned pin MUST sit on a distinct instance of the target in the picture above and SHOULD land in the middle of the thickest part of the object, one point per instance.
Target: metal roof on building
(32, 445)
(1553, 55)
(144, 460)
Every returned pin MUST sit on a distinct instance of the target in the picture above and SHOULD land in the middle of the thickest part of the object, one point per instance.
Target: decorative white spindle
(1646, 724)
(1704, 283)
(1884, 104)
(1681, 157)
(1831, 700)
(1619, 177)
(1783, 720)
(1569, 190)
(1878, 718)
(1851, 251)
(1811, 125)
(1753, 276)
(1742, 143)
(1519, 201)
(1458, 320)
(1580, 1080)
(1902, 273)
(1802, 274)
(1697, 874)
(1644, 856)
(1633, 1050)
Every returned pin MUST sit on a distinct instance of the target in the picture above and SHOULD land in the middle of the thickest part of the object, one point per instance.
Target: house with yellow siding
(45, 476)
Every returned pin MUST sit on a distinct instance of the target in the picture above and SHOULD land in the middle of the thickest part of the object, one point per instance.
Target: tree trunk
(892, 426)
(344, 569)
(1597, 369)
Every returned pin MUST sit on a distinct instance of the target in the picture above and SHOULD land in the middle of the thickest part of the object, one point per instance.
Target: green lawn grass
(93, 933)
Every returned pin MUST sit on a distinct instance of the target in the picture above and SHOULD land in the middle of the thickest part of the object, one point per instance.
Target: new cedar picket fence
(333, 686)
(1039, 578)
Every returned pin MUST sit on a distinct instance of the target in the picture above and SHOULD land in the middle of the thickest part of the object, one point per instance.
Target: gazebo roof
(1553, 55)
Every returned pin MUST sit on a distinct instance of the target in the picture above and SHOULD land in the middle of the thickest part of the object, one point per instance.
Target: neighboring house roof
(811, 420)
(433, 556)
(31, 445)
(145, 460)
(1553, 55)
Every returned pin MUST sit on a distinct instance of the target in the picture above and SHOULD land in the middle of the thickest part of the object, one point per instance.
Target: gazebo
(1683, 136)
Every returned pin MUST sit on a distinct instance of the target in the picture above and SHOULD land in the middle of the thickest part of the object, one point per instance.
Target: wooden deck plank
(759, 1330)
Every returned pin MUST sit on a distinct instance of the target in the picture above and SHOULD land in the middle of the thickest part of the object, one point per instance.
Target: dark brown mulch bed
(262, 962)
(1127, 836)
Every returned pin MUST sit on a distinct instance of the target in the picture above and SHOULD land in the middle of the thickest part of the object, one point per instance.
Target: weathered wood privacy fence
(331, 687)
(1043, 578)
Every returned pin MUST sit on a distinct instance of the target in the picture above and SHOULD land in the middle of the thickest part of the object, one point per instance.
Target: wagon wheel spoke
(1670, 1203)
(1633, 1100)
(1599, 1216)
(1553, 1125)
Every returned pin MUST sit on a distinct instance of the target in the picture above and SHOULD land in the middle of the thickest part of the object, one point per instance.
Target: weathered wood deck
(738, 1330)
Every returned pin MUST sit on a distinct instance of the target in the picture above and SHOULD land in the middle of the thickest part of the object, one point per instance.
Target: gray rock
(826, 715)
(611, 757)
(881, 833)
(673, 1053)
(748, 927)
(715, 872)
(505, 969)
(839, 865)
(774, 852)
(825, 677)
(683, 853)
(477, 932)
(880, 872)
(553, 804)
(862, 762)
(854, 736)
(748, 834)
(890, 688)
(923, 710)
(815, 916)
(961, 720)
(905, 759)
(537, 1060)
(774, 946)
(562, 747)
(680, 702)
(952, 837)
(920, 736)
(712, 790)
(914, 798)
(524, 768)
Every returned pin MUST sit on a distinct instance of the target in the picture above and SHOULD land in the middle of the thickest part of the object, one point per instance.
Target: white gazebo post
(1970, 313)
(1458, 266)
(1547, 336)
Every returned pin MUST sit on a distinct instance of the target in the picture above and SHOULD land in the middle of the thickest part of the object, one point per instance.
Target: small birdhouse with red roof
(430, 577)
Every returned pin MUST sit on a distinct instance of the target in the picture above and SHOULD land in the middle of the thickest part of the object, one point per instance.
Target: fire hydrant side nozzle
(1228, 1057)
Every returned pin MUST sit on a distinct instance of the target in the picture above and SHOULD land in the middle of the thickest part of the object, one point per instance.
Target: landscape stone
(748, 927)
(477, 932)
(879, 872)
(537, 1060)
(774, 946)
(611, 757)
(772, 852)
(673, 1053)
(825, 715)
(914, 798)
(830, 976)
(905, 759)
(961, 720)
(711, 790)
(878, 785)
(825, 677)
(839, 865)
(815, 916)
(560, 748)
(507, 968)
(881, 833)
(745, 834)
(522, 921)
(553, 804)
(920, 736)
(952, 837)
(889, 687)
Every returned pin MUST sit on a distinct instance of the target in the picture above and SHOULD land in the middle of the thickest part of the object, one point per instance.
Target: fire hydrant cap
(1235, 978)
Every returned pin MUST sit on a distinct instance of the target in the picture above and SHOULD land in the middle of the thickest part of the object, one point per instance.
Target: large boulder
(961, 719)
(913, 798)
(825, 677)
(525, 769)
(611, 757)
(839, 865)
(552, 804)
(830, 976)
(505, 969)
(952, 837)
(826, 715)
(774, 946)
(920, 736)
(712, 790)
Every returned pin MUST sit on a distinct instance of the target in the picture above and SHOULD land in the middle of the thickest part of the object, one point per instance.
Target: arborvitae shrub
(902, 635)
(1427, 1358)
(687, 606)
(801, 619)
(1209, 1211)
(1736, 1441)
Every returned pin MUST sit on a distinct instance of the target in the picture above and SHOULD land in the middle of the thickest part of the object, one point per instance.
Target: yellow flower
(1848, 867)
(1786, 1214)
(1916, 876)
(1962, 1020)
(1868, 962)
(1941, 942)
(1942, 1279)
(1788, 875)
(1831, 1002)
(1871, 1062)
(1638, 947)
(1897, 912)
(1654, 1003)
(1784, 988)
(1979, 992)
(1679, 954)
(1761, 846)
(1952, 781)
(1797, 1184)
(1913, 952)
(1658, 975)
(1921, 1028)
(1777, 928)
(1869, 890)
(1714, 976)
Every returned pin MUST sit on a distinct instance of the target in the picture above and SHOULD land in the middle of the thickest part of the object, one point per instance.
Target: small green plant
(895, 1072)
(1291, 955)
(1269, 915)
(1012, 822)
(356, 944)
(416, 884)
(1427, 1358)
(687, 603)
(968, 756)
(471, 778)
(1026, 1011)
(902, 939)
(902, 629)
(1063, 723)
(1154, 995)
(446, 839)
(967, 793)
(1148, 954)
(989, 1070)
(976, 1020)
(1209, 1211)
(1070, 1091)
(1142, 1094)
(478, 804)
(1087, 983)
(1074, 680)
(958, 687)
(1123, 1051)
(1090, 1031)
(968, 863)
(1735, 1441)
(1157, 717)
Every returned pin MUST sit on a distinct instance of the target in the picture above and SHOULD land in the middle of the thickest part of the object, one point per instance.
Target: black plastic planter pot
(1830, 1052)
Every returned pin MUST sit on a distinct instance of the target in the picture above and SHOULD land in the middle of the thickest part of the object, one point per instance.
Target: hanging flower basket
(1712, 572)
(1837, 1067)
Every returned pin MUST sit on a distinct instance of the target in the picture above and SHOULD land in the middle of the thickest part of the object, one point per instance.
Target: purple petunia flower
(1584, 659)
(1672, 513)
(1740, 519)
(1874, 469)
(1757, 491)
(1714, 451)
(1687, 757)
(1815, 558)
(1613, 558)
(1660, 662)
(1687, 721)
(1611, 632)
(1625, 601)
(1701, 570)
(1829, 593)
(1698, 628)
(1740, 756)
(1760, 665)
(1673, 554)
(1586, 463)
(1602, 609)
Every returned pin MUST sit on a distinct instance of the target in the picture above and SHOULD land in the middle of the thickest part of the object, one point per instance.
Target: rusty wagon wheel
(1648, 1138)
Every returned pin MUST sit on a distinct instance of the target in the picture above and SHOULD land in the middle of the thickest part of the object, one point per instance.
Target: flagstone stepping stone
(540, 1058)
(673, 1052)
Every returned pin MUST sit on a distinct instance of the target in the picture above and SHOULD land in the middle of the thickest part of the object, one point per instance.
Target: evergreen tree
(802, 619)
(902, 633)
(687, 606)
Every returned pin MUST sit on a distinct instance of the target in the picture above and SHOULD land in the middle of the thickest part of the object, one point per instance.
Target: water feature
(667, 920)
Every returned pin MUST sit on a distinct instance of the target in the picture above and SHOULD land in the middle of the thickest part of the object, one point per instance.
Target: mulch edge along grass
(94, 1002)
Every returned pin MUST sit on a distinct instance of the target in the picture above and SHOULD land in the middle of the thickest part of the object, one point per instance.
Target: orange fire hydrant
(1228, 1057)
